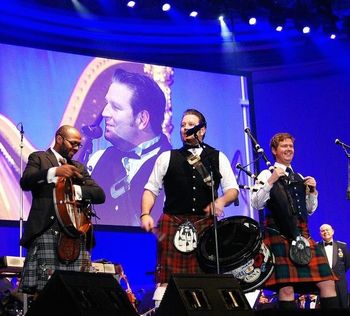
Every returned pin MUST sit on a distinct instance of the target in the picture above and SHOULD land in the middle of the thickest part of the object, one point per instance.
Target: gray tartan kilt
(41, 261)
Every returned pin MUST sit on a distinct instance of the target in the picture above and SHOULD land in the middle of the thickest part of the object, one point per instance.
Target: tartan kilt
(302, 278)
(169, 259)
(42, 260)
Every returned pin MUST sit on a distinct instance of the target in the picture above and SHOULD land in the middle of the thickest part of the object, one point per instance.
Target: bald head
(67, 130)
(326, 232)
(67, 141)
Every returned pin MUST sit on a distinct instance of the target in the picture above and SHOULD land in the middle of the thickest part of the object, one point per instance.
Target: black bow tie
(328, 243)
(189, 146)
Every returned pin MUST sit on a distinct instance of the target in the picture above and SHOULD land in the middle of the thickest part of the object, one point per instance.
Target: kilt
(42, 260)
(169, 259)
(302, 278)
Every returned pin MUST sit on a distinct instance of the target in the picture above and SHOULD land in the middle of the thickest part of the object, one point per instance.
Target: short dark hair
(280, 137)
(196, 113)
(147, 96)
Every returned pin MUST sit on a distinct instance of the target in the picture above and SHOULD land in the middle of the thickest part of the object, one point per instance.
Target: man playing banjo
(43, 228)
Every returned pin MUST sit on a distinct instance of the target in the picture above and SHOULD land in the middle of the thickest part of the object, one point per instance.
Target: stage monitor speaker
(189, 294)
(82, 294)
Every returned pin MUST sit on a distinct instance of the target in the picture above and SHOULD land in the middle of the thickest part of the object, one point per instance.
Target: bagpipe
(283, 209)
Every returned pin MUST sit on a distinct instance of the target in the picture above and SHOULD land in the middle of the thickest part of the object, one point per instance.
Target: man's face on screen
(121, 129)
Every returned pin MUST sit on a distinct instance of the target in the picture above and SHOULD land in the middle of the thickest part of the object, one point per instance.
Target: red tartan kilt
(303, 278)
(169, 259)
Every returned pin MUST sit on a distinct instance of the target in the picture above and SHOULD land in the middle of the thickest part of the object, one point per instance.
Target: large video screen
(41, 90)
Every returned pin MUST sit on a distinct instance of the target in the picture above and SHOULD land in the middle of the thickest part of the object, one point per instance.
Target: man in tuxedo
(338, 255)
(43, 230)
(133, 114)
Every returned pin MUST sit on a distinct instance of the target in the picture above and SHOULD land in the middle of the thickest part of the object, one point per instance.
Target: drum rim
(229, 263)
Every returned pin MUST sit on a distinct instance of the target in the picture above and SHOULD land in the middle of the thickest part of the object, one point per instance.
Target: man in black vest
(185, 175)
(289, 199)
(133, 115)
(338, 256)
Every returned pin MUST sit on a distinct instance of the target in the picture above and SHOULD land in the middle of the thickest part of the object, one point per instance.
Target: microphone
(19, 127)
(22, 132)
(92, 131)
(195, 129)
(338, 142)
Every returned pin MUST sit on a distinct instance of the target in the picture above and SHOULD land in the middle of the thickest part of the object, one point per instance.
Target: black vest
(125, 209)
(287, 203)
(185, 190)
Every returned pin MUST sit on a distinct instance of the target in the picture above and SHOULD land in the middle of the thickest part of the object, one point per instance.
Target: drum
(242, 252)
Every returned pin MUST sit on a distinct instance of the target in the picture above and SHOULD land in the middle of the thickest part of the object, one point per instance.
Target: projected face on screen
(133, 117)
(128, 113)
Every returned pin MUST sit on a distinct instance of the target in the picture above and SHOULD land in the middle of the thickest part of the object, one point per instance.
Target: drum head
(238, 237)
(241, 251)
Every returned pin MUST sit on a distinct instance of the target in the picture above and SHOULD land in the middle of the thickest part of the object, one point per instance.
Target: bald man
(43, 230)
(338, 255)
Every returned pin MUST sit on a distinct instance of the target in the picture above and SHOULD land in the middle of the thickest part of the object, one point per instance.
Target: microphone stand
(21, 191)
(345, 147)
(348, 189)
(25, 296)
(212, 209)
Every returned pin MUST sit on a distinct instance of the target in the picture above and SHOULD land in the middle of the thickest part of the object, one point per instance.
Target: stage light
(166, 7)
(277, 17)
(252, 21)
(81, 9)
(279, 28)
(333, 36)
(131, 4)
(221, 18)
(226, 34)
(306, 29)
(193, 14)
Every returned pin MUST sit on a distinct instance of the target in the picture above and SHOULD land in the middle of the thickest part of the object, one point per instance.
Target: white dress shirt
(155, 181)
(261, 192)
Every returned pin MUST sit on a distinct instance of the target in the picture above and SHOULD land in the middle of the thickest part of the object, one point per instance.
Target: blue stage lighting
(166, 7)
(279, 28)
(252, 21)
(131, 4)
(193, 14)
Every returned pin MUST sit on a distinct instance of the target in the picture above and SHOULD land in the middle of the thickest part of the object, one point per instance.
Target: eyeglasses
(73, 144)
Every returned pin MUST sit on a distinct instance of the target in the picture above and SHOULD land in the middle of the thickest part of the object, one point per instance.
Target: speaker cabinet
(203, 295)
(82, 294)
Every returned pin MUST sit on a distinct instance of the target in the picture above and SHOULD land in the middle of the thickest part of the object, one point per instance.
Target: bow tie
(328, 243)
(189, 146)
